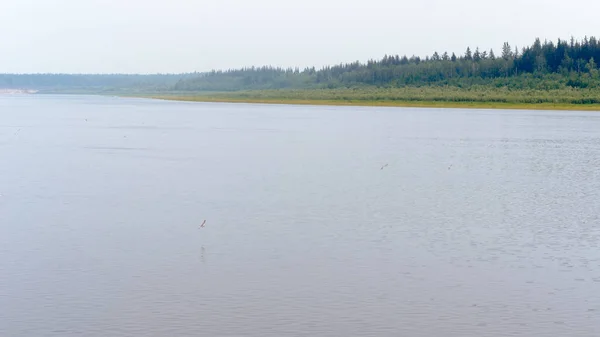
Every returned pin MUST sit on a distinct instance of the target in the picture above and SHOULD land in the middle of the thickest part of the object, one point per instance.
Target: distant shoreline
(17, 91)
(383, 103)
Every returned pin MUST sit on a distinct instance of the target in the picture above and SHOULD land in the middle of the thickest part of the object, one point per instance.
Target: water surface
(484, 222)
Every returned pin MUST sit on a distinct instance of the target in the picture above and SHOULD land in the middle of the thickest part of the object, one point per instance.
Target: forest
(91, 83)
(561, 72)
(543, 65)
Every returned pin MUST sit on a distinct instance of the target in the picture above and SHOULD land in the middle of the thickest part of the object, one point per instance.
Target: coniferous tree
(477, 55)
(506, 51)
(468, 55)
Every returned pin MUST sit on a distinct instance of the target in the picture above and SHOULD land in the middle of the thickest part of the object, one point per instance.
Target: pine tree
(506, 51)
(477, 55)
(468, 55)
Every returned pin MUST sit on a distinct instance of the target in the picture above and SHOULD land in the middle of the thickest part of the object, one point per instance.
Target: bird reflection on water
(202, 251)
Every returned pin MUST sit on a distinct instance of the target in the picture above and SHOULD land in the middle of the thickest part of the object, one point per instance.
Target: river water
(320, 221)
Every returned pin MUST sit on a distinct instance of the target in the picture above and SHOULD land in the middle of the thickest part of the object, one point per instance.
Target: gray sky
(149, 36)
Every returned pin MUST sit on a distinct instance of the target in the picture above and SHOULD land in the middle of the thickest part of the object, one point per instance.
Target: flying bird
(384, 166)
(203, 223)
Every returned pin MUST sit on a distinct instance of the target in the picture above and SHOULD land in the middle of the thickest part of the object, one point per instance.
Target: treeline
(250, 78)
(542, 66)
(92, 82)
(546, 65)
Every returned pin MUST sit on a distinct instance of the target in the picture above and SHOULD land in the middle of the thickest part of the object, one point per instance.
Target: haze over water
(484, 223)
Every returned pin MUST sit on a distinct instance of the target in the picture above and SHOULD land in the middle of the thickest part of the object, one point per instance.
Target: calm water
(484, 223)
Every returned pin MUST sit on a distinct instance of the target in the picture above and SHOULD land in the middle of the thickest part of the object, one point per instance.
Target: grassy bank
(438, 97)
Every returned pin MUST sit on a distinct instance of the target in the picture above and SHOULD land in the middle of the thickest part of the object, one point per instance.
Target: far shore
(5, 91)
(385, 103)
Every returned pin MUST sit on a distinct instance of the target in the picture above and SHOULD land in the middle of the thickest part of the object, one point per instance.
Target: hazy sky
(149, 36)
